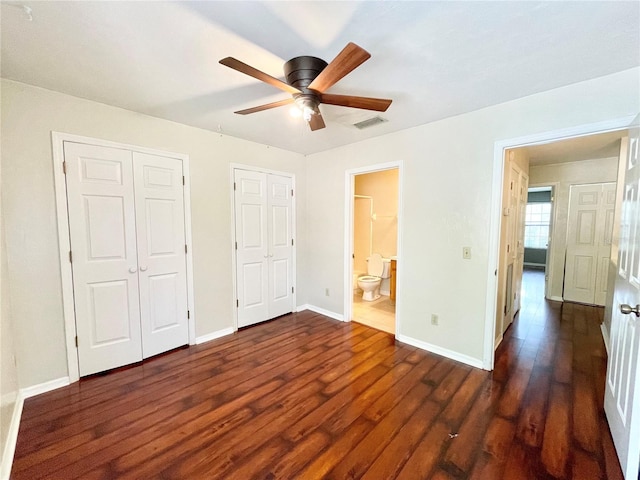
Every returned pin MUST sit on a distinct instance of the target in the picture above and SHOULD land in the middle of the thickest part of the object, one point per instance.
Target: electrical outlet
(326, 292)
(466, 253)
(434, 319)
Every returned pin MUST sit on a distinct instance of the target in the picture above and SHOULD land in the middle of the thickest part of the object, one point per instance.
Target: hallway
(555, 350)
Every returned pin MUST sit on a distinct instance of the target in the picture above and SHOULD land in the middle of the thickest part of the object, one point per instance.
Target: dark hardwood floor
(308, 397)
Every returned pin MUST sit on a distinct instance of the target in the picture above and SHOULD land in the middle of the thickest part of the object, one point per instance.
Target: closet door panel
(103, 242)
(280, 245)
(161, 252)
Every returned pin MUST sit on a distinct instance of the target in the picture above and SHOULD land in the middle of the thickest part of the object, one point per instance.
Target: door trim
(234, 278)
(64, 242)
(349, 192)
(495, 218)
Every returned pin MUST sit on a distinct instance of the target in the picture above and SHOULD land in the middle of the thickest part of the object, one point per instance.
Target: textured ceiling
(434, 59)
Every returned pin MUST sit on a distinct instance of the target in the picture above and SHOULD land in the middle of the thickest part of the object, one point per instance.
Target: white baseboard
(605, 337)
(213, 335)
(12, 435)
(12, 438)
(44, 387)
(321, 311)
(497, 342)
(458, 357)
(556, 299)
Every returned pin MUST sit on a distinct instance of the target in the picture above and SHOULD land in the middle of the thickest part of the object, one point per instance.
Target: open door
(622, 390)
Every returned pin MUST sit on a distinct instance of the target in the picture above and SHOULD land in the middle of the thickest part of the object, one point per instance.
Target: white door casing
(162, 252)
(589, 229)
(264, 245)
(622, 388)
(127, 234)
(102, 230)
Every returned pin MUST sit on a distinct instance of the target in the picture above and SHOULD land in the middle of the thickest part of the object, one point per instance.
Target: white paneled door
(622, 389)
(264, 245)
(589, 229)
(161, 242)
(126, 226)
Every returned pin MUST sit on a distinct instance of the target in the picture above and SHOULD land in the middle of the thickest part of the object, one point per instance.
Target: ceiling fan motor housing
(301, 71)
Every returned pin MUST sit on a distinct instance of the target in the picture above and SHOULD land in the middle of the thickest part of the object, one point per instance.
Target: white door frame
(64, 242)
(496, 207)
(348, 239)
(240, 166)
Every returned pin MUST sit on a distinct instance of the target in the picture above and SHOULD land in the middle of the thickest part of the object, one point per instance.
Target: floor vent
(370, 122)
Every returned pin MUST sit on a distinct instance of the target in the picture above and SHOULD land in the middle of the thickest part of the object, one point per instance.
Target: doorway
(373, 233)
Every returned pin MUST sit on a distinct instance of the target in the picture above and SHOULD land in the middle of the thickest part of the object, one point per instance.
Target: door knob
(265, 256)
(627, 309)
(143, 269)
(133, 270)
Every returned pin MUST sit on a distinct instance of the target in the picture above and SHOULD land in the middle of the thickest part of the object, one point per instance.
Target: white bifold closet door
(127, 232)
(264, 246)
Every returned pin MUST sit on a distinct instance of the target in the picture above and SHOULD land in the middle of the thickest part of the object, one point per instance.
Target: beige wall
(29, 115)
(383, 187)
(446, 203)
(564, 175)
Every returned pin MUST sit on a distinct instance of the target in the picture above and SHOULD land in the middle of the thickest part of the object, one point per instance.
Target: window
(536, 225)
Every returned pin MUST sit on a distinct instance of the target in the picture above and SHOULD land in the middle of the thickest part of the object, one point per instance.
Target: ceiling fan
(307, 80)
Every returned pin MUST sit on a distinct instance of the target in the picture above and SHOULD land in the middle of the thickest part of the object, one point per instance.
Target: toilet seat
(368, 278)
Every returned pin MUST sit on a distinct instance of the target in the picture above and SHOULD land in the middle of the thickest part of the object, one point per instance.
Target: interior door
(252, 250)
(102, 229)
(622, 389)
(159, 201)
(280, 245)
(588, 242)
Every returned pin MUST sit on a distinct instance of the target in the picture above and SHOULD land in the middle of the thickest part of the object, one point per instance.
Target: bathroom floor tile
(379, 314)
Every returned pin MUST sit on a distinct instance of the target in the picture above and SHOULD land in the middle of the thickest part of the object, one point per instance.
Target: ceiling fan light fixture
(308, 106)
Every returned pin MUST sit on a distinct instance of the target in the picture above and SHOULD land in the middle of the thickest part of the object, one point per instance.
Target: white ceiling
(590, 147)
(434, 59)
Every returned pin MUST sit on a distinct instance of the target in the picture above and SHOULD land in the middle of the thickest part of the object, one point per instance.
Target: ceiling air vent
(370, 122)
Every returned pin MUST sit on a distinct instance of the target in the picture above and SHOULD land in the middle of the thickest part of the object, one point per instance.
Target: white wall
(29, 115)
(567, 174)
(447, 178)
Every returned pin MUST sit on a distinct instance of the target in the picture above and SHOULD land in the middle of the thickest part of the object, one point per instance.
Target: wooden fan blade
(377, 104)
(266, 106)
(255, 73)
(316, 122)
(347, 60)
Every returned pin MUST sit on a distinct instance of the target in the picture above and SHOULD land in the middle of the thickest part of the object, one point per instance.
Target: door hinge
(76, 341)
(64, 168)
(292, 192)
(185, 248)
(188, 315)
(237, 303)
(183, 180)
(292, 290)
(292, 242)
(234, 185)
(70, 257)
(236, 245)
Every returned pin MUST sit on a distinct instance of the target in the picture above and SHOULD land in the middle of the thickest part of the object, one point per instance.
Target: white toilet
(377, 269)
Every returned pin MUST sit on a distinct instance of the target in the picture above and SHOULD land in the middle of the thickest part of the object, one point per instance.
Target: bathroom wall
(383, 187)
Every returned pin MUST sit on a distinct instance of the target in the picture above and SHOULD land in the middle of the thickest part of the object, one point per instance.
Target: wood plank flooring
(308, 397)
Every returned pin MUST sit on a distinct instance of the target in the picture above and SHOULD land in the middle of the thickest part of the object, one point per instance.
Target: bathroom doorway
(373, 246)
